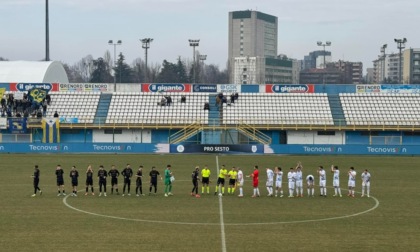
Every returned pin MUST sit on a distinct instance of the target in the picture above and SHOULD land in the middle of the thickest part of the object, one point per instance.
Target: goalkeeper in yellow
(221, 181)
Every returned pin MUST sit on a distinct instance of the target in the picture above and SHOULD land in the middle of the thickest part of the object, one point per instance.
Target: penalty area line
(222, 222)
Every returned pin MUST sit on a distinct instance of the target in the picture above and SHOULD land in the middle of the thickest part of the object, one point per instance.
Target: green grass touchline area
(387, 221)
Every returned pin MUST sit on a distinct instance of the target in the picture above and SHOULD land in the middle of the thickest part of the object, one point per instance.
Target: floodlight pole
(327, 43)
(194, 43)
(111, 42)
(146, 45)
(383, 61)
(400, 46)
(47, 33)
(202, 58)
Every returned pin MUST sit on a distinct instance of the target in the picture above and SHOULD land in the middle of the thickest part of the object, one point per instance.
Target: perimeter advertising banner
(400, 89)
(205, 88)
(389, 89)
(82, 148)
(217, 148)
(23, 87)
(229, 88)
(281, 88)
(368, 88)
(157, 87)
(85, 87)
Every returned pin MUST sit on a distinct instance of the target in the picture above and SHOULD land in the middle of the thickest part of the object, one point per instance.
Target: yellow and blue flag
(37, 95)
(51, 130)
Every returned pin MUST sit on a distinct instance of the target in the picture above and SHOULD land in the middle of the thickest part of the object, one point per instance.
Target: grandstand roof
(33, 72)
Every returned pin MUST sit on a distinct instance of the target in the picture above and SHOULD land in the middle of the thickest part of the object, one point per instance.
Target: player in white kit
(352, 181)
(336, 180)
(310, 181)
(322, 181)
(366, 183)
(279, 180)
(299, 180)
(240, 182)
(270, 182)
(292, 179)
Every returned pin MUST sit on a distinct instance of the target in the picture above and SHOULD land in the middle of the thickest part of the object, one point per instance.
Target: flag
(37, 95)
(51, 130)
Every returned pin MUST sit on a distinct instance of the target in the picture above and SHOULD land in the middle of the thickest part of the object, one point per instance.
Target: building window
(244, 69)
(326, 133)
(110, 131)
(244, 77)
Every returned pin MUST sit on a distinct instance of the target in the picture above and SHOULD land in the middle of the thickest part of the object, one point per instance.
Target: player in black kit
(153, 179)
(74, 175)
(127, 173)
(194, 177)
(139, 175)
(35, 176)
(102, 180)
(89, 180)
(60, 180)
(114, 173)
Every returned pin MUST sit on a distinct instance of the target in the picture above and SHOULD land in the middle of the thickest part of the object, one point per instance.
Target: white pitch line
(222, 222)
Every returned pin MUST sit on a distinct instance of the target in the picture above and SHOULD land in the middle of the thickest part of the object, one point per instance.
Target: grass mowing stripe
(222, 222)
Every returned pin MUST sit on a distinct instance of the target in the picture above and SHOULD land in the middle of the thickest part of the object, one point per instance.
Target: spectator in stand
(56, 114)
(232, 98)
(39, 114)
(18, 114)
(48, 98)
(236, 96)
(25, 113)
(224, 99)
(44, 108)
(9, 112)
(3, 102)
(206, 106)
(10, 101)
(183, 99)
(168, 100)
(163, 101)
(219, 99)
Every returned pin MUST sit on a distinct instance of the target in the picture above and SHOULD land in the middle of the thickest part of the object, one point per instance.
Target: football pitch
(387, 221)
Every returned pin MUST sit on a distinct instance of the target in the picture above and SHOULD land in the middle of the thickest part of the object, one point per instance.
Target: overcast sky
(356, 28)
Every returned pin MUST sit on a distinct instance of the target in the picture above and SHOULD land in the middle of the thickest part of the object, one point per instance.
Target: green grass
(45, 223)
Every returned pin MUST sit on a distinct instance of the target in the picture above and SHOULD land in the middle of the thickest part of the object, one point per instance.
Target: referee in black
(194, 177)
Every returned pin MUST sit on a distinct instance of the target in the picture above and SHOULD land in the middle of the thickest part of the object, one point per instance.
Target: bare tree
(139, 70)
(154, 72)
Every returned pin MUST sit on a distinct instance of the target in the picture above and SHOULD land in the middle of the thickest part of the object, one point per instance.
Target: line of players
(294, 176)
(235, 176)
(295, 181)
(127, 173)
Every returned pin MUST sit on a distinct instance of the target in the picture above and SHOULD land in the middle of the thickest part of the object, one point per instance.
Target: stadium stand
(275, 109)
(381, 108)
(145, 108)
(81, 105)
(251, 108)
